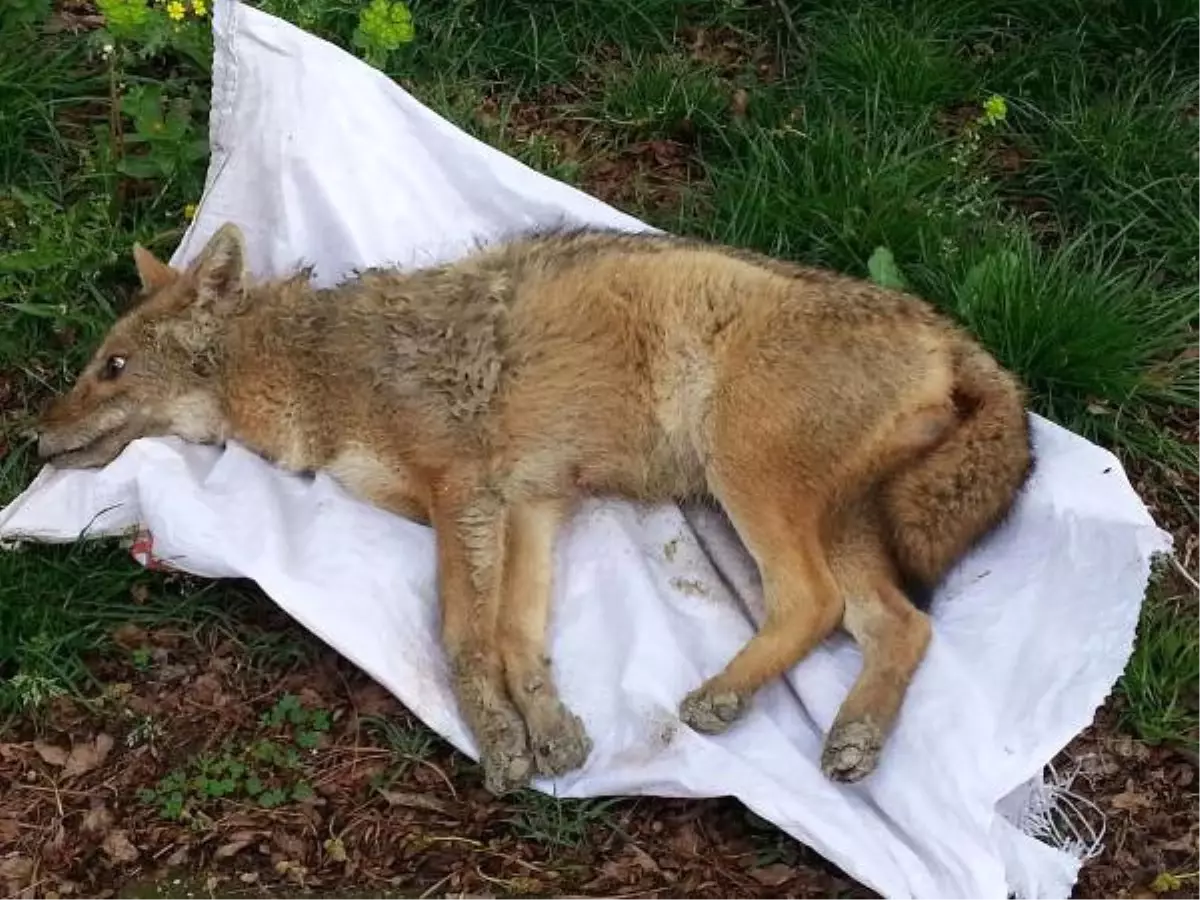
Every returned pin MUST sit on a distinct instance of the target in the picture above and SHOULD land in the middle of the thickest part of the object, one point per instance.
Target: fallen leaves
(119, 848)
(15, 871)
(335, 849)
(88, 756)
(9, 829)
(237, 842)
(773, 875)
(414, 801)
(97, 820)
(51, 754)
(1130, 800)
(384, 819)
(80, 759)
(130, 637)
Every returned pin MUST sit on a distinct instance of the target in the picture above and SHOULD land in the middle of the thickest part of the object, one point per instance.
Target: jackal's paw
(851, 751)
(711, 712)
(560, 744)
(504, 753)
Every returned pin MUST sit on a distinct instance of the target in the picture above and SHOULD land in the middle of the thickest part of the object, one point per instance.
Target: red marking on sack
(143, 551)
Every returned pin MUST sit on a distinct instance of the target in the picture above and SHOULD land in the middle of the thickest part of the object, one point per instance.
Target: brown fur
(857, 440)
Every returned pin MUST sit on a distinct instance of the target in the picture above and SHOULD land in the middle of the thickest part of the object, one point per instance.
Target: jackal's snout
(77, 421)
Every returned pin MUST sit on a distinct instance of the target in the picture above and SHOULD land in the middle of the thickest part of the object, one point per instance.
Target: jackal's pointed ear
(219, 272)
(154, 273)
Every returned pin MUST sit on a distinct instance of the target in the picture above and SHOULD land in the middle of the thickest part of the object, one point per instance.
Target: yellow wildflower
(189, 211)
(995, 109)
(176, 10)
(199, 7)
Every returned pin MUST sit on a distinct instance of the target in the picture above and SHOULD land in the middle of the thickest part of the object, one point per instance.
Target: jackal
(859, 442)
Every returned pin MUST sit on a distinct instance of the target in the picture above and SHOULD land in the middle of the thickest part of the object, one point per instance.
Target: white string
(1062, 818)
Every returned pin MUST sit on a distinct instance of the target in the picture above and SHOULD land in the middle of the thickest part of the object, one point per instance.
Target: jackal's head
(158, 370)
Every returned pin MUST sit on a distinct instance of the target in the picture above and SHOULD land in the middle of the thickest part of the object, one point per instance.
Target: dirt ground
(138, 794)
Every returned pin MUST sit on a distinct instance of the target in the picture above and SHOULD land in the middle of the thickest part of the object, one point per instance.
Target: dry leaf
(206, 690)
(130, 637)
(97, 820)
(336, 850)
(643, 860)
(15, 870)
(773, 875)
(414, 801)
(290, 845)
(1129, 801)
(613, 870)
(51, 754)
(225, 851)
(119, 848)
(87, 756)
(685, 841)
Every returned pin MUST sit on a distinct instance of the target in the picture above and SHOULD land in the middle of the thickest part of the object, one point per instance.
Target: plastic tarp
(323, 160)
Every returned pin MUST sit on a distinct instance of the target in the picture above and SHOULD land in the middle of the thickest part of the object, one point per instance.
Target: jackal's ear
(154, 273)
(219, 272)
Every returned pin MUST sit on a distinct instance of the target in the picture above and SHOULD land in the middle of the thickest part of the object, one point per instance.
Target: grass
(1064, 235)
(1159, 684)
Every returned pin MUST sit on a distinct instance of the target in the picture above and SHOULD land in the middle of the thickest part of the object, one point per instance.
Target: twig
(1185, 573)
(437, 884)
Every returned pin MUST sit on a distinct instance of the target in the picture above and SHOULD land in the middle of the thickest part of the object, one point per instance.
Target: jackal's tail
(941, 505)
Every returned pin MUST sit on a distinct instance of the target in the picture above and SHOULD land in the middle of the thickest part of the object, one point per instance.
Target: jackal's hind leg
(779, 524)
(893, 636)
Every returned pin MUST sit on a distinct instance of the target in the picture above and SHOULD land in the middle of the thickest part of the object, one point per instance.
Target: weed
(383, 27)
(664, 96)
(145, 731)
(268, 771)
(141, 658)
(1159, 684)
(20, 14)
(553, 822)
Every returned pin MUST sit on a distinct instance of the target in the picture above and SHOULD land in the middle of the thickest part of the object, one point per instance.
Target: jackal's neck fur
(302, 369)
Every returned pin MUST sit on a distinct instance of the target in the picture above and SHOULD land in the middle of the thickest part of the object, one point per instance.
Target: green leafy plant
(269, 771)
(164, 142)
(884, 271)
(383, 27)
(137, 29)
(23, 13)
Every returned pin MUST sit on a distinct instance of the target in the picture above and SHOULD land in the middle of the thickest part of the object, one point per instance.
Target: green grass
(1065, 236)
(558, 824)
(1159, 684)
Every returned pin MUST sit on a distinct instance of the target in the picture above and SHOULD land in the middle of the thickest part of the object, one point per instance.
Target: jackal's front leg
(470, 527)
(556, 735)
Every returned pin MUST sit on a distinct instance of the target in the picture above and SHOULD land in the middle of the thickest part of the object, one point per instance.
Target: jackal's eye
(113, 366)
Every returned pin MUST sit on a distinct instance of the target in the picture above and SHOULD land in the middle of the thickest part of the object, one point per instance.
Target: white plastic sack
(321, 159)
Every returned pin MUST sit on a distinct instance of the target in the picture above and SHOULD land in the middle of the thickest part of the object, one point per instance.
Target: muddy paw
(851, 751)
(504, 754)
(711, 713)
(561, 745)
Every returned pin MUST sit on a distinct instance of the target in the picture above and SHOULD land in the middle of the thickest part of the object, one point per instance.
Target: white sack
(321, 159)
